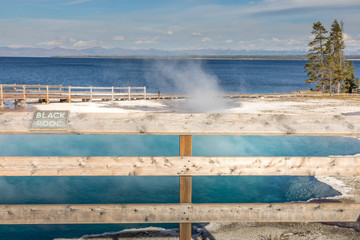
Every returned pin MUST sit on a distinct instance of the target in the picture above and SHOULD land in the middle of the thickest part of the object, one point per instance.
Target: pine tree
(327, 64)
(336, 47)
(330, 72)
(350, 82)
(316, 56)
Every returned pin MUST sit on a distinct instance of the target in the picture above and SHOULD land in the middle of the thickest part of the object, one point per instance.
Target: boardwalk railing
(46, 93)
(185, 166)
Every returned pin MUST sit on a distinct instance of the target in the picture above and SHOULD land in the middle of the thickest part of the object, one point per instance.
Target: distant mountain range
(98, 51)
(116, 52)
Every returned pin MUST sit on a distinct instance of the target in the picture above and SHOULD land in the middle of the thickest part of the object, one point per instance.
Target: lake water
(230, 76)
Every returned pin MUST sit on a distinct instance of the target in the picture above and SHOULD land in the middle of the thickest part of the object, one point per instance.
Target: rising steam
(189, 78)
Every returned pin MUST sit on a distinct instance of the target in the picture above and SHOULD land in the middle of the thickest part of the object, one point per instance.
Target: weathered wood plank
(193, 124)
(179, 166)
(182, 213)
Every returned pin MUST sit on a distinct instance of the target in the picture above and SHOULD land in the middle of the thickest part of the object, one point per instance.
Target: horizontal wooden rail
(181, 213)
(183, 166)
(65, 87)
(190, 124)
(179, 166)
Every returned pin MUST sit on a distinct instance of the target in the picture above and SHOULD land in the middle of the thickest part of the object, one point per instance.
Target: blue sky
(173, 25)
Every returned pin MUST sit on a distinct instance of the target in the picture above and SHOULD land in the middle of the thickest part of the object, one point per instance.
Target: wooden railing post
(129, 90)
(24, 94)
(47, 94)
(185, 143)
(1, 95)
(69, 100)
(144, 92)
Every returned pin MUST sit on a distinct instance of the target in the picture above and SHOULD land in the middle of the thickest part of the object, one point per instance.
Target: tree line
(327, 65)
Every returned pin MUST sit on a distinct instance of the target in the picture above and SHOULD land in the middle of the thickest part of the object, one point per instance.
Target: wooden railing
(46, 93)
(185, 166)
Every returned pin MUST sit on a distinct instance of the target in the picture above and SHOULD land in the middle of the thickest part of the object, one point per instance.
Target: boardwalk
(48, 93)
(51, 93)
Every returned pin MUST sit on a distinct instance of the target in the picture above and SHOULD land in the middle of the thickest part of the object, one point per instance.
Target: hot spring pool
(136, 189)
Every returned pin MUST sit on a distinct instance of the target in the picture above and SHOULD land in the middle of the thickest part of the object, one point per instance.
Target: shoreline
(338, 185)
(289, 104)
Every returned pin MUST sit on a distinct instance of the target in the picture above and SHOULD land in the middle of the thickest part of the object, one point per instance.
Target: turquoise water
(135, 189)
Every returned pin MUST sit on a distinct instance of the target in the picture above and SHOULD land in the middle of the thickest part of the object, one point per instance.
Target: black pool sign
(50, 120)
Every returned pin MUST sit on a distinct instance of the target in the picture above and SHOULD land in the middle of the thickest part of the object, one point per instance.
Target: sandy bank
(299, 106)
(261, 105)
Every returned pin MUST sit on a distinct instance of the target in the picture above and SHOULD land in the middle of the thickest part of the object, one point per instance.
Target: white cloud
(49, 43)
(69, 42)
(90, 43)
(19, 46)
(118, 38)
(78, 2)
(302, 5)
(59, 42)
(274, 43)
(196, 34)
(229, 41)
(146, 41)
(205, 39)
(351, 41)
(169, 33)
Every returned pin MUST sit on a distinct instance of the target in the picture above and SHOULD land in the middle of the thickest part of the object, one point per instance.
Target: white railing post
(91, 94)
(47, 94)
(144, 92)
(112, 93)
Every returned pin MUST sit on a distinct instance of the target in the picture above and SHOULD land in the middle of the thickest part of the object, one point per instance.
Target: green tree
(316, 67)
(327, 64)
(330, 72)
(350, 82)
(336, 48)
